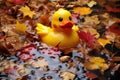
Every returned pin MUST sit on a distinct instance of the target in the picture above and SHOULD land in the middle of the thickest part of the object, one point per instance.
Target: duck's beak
(66, 25)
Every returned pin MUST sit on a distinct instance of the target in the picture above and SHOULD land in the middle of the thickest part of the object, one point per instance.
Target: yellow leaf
(96, 63)
(21, 27)
(82, 10)
(26, 11)
(91, 3)
(103, 42)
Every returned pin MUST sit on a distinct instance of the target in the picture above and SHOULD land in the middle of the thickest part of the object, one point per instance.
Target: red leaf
(87, 38)
(17, 1)
(91, 75)
(115, 28)
(114, 10)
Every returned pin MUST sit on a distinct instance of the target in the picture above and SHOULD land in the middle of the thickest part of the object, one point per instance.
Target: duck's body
(63, 36)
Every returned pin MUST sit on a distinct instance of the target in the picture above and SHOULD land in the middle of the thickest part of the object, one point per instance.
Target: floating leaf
(93, 19)
(115, 28)
(91, 75)
(82, 10)
(91, 3)
(87, 37)
(103, 41)
(17, 1)
(27, 12)
(92, 31)
(114, 10)
(67, 75)
(96, 63)
(21, 27)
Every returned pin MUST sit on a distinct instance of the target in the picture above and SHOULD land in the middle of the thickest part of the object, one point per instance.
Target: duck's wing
(42, 30)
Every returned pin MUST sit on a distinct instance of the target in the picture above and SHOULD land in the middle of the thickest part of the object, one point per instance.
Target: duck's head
(62, 20)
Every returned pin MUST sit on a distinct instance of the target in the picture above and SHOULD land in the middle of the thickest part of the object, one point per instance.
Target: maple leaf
(26, 11)
(21, 27)
(103, 42)
(87, 38)
(82, 10)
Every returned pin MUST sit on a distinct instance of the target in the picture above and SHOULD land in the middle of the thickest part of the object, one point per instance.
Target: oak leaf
(27, 12)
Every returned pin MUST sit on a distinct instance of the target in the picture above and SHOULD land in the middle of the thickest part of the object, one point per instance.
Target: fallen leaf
(87, 38)
(115, 28)
(93, 19)
(18, 2)
(66, 75)
(21, 27)
(92, 31)
(91, 3)
(103, 41)
(96, 63)
(91, 75)
(82, 10)
(111, 9)
(27, 12)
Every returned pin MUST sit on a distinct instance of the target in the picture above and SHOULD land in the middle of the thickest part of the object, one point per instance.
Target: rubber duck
(62, 33)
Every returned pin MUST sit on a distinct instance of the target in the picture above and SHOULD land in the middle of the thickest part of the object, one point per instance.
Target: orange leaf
(103, 42)
(82, 10)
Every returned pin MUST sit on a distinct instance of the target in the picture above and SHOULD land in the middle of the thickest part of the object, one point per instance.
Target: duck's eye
(60, 19)
(70, 18)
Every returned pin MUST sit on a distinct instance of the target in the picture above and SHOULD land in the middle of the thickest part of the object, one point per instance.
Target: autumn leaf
(114, 10)
(87, 38)
(92, 31)
(96, 63)
(21, 27)
(91, 3)
(17, 1)
(82, 10)
(27, 12)
(91, 75)
(103, 41)
(115, 28)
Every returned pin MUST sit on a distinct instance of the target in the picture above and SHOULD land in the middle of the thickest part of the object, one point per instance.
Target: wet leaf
(82, 10)
(67, 75)
(87, 37)
(21, 27)
(17, 2)
(103, 41)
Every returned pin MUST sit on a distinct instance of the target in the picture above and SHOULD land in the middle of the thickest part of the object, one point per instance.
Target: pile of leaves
(24, 57)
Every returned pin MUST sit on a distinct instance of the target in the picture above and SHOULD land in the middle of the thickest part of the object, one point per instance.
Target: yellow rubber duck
(62, 32)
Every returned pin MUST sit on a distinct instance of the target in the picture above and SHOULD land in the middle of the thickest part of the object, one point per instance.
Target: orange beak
(66, 25)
